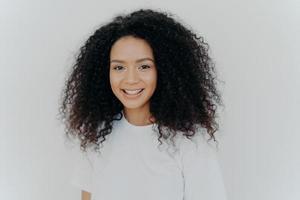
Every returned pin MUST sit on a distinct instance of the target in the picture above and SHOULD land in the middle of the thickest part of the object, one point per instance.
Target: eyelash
(121, 66)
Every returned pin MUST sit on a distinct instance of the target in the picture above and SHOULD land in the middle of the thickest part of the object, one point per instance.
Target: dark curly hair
(186, 95)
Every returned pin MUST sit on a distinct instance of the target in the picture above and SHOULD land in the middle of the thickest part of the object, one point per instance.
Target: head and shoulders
(143, 69)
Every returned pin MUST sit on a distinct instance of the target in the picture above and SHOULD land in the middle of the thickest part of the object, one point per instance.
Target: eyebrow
(138, 60)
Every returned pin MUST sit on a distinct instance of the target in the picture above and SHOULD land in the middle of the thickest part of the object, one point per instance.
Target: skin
(85, 195)
(132, 66)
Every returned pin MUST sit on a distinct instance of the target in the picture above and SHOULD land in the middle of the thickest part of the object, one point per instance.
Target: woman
(142, 93)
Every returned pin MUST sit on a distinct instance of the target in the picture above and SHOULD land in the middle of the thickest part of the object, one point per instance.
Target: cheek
(114, 81)
(151, 79)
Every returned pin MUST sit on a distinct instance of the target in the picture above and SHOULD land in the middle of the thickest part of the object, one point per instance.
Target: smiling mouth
(132, 92)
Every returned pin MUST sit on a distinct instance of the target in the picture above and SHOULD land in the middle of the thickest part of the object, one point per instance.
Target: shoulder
(200, 142)
(196, 149)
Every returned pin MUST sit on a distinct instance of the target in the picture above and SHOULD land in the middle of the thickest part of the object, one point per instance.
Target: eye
(145, 66)
(117, 67)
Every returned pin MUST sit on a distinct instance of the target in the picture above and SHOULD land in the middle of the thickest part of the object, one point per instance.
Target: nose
(132, 76)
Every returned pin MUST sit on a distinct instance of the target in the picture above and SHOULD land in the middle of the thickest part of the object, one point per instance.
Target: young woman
(143, 93)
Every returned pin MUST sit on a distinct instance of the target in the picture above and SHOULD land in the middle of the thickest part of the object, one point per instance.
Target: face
(132, 73)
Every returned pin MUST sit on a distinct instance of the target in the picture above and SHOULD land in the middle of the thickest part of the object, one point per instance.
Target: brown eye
(117, 67)
(145, 66)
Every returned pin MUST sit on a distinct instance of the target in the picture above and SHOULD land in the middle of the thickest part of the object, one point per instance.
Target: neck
(138, 117)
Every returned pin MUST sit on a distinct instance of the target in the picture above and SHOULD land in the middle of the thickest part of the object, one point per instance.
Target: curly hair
(186, 96)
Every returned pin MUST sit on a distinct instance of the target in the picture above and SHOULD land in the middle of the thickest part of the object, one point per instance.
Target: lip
(132, 96)
(132, 89)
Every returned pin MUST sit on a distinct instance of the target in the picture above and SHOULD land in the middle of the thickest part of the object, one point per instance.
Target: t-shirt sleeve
(82, 173)
(201, 170)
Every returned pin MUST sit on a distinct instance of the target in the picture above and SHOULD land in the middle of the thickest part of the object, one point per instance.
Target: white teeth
(132, 91)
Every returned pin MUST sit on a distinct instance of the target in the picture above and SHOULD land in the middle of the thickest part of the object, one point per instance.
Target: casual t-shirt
(132, 166)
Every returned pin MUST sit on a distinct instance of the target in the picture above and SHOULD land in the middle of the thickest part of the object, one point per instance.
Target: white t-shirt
(132, 166)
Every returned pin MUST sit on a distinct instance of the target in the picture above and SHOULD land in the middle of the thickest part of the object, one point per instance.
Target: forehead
(130, 48)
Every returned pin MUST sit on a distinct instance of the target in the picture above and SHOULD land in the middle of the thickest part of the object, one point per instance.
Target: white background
(255, 45)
